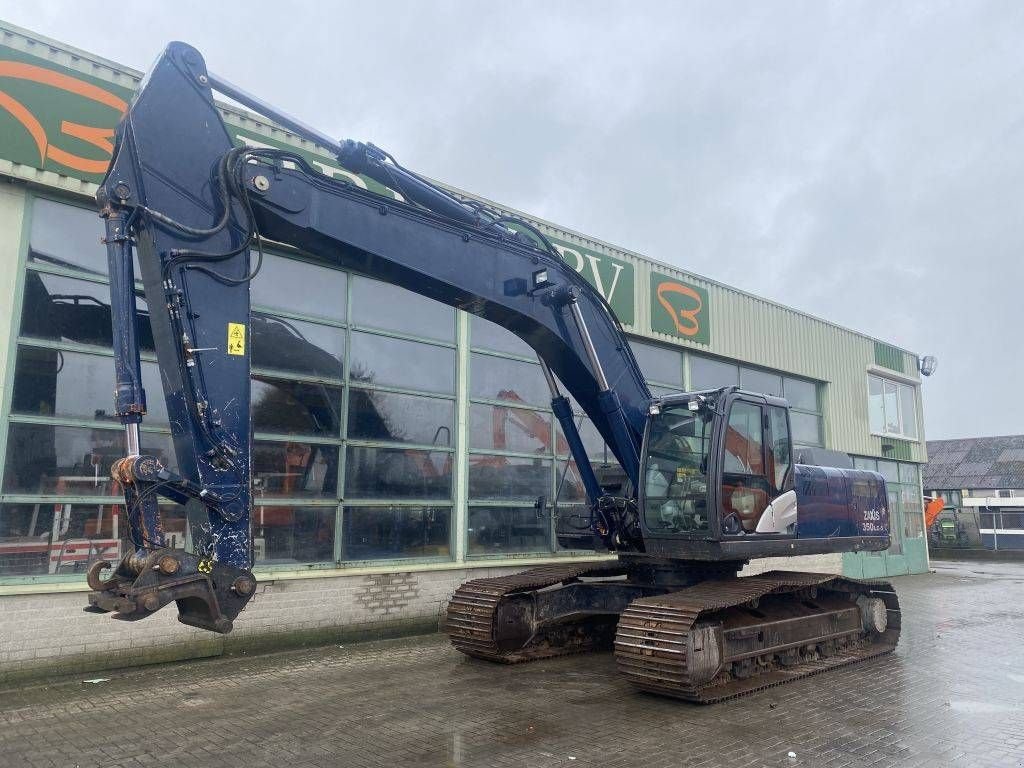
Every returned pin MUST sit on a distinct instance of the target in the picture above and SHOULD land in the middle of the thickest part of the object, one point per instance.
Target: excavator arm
(195, 207)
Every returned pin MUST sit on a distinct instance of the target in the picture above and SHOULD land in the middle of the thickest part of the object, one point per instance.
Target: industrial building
(443, 441)
(981, 481)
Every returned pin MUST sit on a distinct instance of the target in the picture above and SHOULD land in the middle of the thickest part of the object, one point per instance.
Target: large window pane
(47, 538)
(497, 378)
(892, 411)
(295, 407)
(382, 305)
(658, 363)
(707, 373)
(498, 530)
(487, 335)
(509, 429)
(592, 440)
(568, 483)
(71, 461)
(294, 470)
(400, 418)
(801, 394)
(397, 473)
(508, 478)
(908, 474)
(889, 470)
(292, 534)
(764, 382)
(49, 382)
(908, 411)
(400, 363)
(379, 533)
(876, 405)
(806, 428)
(745, 455)
(300, 287)
(63, 309)
(67, 236)
(296, 346)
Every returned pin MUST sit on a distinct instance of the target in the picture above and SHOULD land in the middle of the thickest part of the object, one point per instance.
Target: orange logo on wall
(685, 320)
(100, 137)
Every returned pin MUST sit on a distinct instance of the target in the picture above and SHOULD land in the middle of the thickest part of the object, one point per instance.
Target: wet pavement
(952, 694)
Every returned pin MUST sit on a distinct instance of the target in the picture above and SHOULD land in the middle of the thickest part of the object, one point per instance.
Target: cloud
(860, 161)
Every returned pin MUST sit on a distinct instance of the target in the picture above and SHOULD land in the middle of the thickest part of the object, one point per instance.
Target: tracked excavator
(703, 481)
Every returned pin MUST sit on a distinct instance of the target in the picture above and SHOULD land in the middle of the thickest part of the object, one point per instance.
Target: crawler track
(481, 610)
(662, 642)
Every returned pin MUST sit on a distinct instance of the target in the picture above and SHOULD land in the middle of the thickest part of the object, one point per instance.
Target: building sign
(613, 278)
(680, 309)
(57, 119)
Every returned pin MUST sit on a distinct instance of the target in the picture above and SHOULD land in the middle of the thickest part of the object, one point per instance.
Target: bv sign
(679, 309)
(612, 277)
(57, 119)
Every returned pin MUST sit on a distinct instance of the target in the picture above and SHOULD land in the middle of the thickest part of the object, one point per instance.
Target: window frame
(901, 386)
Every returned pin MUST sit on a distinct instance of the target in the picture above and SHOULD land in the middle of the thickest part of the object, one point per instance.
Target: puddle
(981, 707)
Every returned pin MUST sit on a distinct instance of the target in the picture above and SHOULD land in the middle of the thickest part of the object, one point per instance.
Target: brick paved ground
(953, 694)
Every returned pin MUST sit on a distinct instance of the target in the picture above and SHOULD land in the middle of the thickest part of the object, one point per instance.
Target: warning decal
(236, 338)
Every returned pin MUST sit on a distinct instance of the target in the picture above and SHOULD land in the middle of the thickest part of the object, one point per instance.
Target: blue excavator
(702, 483)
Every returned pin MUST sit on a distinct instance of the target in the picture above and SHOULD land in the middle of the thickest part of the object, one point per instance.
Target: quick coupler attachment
(209, 594)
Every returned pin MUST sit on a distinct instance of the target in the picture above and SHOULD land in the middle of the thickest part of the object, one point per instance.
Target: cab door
(756, 492)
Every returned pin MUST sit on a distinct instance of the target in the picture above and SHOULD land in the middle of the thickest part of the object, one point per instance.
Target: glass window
(744, 452)
(913, 511)
(592, 440)
(659, 363)
(399, 363)
(806, 428)
(71, 461)
(508, 478)
(46, 538)
(781, 450)
(487, 335)
(397, 473)
(908, 473)
(63, 309)
(51, 382)
(283, 534)
(657, 391)
(908, 411)
(295, 407)
(374, 415)
(300, 287)
(497, 378)
(294, 470)
(892, 408)
(67, 236)
(889, 470)
(297, 346)
(764, 382)
(377, 533)
(708, 373)
(504, 428)
(499, 530)
(381, 305)
(675, 471)
(876, 405)
(800, 394)
(859, 462)
(568, 483)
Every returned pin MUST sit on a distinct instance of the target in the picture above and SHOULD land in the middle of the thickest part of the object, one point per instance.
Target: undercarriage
(689, 630)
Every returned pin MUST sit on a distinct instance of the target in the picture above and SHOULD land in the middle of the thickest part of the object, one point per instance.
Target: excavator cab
(718, 463)
(719, 482)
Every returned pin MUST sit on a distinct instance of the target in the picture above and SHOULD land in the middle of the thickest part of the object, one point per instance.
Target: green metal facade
(698, 320)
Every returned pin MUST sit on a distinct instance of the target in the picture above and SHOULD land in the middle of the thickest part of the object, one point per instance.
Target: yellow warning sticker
(236, 338)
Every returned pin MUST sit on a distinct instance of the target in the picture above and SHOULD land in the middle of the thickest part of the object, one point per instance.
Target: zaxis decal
(679, 309)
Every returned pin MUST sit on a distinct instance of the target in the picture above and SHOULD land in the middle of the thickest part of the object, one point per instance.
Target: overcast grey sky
(863, 162)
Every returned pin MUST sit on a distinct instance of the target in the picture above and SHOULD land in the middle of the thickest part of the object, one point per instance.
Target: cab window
(781, 451)
(675, 471)
(745, 490)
